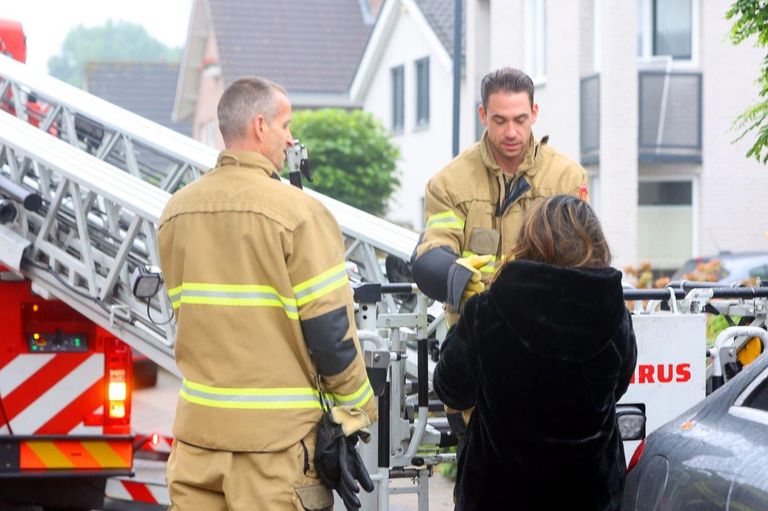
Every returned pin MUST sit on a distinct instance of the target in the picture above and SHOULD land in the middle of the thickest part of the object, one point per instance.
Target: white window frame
(694, 201)
(536, 56)
(645, 26)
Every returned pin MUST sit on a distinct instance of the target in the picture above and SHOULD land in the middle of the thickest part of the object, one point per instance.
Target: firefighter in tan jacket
(255, 272)
(474, 206)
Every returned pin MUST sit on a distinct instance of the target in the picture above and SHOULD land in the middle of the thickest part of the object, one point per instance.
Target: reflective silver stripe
(250, 397)
(239, 295)
(361, 396)
(232, 295)
(319, 286)
(445, 220)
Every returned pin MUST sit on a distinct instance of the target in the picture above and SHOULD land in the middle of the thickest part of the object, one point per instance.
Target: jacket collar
(247, 159)
(526, 167)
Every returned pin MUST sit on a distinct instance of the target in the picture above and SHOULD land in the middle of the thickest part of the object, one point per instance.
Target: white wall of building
(618, 129)
(734, 189)
(424, 149)
(558, 98)
(583, 37)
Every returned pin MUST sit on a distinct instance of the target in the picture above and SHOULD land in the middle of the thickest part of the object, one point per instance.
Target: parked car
(733, 267)
(713, 457)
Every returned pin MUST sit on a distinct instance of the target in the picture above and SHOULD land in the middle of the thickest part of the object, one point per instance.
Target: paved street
(153, 411)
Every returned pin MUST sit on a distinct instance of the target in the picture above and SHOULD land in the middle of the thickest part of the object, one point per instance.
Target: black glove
(338, 464)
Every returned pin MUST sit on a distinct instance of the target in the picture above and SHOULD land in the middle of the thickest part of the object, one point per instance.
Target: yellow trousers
(208, 480)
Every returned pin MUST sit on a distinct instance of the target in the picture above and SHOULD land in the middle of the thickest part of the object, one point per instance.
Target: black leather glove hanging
(338, 464)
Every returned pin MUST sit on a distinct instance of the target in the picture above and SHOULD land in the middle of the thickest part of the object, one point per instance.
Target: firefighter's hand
(337, 462)
(472, 289)
(465, 279)
(464, 272)
(474, 263)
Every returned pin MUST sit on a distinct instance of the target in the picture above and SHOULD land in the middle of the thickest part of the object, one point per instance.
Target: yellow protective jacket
(469, 210)
(255, 272)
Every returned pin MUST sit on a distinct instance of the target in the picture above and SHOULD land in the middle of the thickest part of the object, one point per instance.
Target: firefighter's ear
(483, 115)
(257, 127)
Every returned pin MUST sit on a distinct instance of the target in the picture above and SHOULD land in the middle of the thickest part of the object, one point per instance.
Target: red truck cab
(13, 42)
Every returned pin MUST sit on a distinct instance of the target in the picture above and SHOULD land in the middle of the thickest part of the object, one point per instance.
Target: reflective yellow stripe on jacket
(234, 295)
(321, 285)
(277, 398)
(254, 295)
(445, 220)
(358, 398)
(250, 397)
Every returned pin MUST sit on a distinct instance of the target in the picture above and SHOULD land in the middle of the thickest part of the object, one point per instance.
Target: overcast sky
(47, 22)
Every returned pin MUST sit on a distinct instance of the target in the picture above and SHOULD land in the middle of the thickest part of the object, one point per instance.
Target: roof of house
(144, 88)
(304, 45)
(434, 19)
(439, 15)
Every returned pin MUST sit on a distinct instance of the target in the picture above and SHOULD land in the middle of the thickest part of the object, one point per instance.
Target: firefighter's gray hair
(243, 101)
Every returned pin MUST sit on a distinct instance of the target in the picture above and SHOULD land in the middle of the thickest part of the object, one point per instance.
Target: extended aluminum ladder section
(99, 177)
(97, 224)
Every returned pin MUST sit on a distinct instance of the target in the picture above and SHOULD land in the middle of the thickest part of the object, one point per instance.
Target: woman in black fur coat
(543, 356)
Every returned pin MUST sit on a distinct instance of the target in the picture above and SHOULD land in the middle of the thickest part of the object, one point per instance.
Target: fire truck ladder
(104, 176)
(82, 187)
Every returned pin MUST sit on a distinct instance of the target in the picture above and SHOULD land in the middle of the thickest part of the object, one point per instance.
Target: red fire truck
(65, 383)
(13, 42)
(65, 402)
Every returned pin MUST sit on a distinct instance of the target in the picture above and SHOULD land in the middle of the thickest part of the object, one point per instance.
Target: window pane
(665, 223)
(668, 193)
(398, 93)
(422, 91)
(672, 28)
(664, 235)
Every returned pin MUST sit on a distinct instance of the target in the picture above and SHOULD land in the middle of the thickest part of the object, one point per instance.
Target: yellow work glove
(352, 420)
(475, 284)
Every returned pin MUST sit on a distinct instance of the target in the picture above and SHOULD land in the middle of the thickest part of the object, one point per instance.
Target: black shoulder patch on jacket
(324, 336)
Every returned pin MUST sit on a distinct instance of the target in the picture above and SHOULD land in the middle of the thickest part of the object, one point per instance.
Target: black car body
(713, 457)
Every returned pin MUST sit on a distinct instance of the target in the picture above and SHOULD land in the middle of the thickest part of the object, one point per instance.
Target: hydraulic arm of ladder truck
(91, 244)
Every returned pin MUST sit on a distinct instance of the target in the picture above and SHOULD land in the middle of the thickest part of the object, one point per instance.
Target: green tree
(113, 41)
(751, 18)
(352, 156)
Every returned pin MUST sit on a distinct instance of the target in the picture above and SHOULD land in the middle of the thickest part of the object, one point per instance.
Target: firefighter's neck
(243, 144)
(507, 165)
